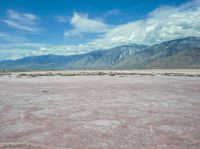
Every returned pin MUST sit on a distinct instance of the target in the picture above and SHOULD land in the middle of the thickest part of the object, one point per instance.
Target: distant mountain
(115, 55)
(179, 53)
(101, 59)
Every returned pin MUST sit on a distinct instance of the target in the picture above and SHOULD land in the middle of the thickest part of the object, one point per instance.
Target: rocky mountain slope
(179, 53)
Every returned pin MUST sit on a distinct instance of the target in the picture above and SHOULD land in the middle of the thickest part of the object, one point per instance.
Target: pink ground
(97, 112)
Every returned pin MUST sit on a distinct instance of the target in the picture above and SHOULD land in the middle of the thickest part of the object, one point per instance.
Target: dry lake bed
(100, 111)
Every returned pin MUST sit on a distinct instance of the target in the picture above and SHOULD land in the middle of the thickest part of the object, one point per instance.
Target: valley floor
(96, 112)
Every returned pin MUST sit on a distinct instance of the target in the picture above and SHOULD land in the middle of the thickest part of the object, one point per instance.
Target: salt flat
(96, 112)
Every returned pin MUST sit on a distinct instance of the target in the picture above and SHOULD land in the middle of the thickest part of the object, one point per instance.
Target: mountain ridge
(177, 53)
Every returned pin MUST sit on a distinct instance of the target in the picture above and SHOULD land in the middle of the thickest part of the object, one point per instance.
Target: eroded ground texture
(97, 112)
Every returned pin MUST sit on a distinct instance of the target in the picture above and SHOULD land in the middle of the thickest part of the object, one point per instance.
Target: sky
(67, 27)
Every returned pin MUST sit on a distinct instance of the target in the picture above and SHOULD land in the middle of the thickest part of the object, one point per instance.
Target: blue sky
(65, 27)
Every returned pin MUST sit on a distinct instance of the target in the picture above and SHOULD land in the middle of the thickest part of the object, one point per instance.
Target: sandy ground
(100, 112)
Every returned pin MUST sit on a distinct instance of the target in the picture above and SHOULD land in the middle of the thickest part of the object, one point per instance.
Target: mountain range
(181, 53)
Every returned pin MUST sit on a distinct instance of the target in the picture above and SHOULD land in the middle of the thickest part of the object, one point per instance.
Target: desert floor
(100, 112)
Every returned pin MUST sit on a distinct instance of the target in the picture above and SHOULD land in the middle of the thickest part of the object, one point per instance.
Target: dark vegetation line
(98, 73)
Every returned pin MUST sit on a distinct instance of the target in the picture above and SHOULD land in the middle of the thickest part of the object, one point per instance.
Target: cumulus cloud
(82, 24)
(22, 21)
(164, 23)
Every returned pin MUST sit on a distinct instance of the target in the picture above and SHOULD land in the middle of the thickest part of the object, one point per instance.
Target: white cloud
(18, 26)
(21, 16)
(112, 12)
(18, 50)
(164, 23)
(10, 38)
(62, 19)
(83, 24)
(22, 21)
